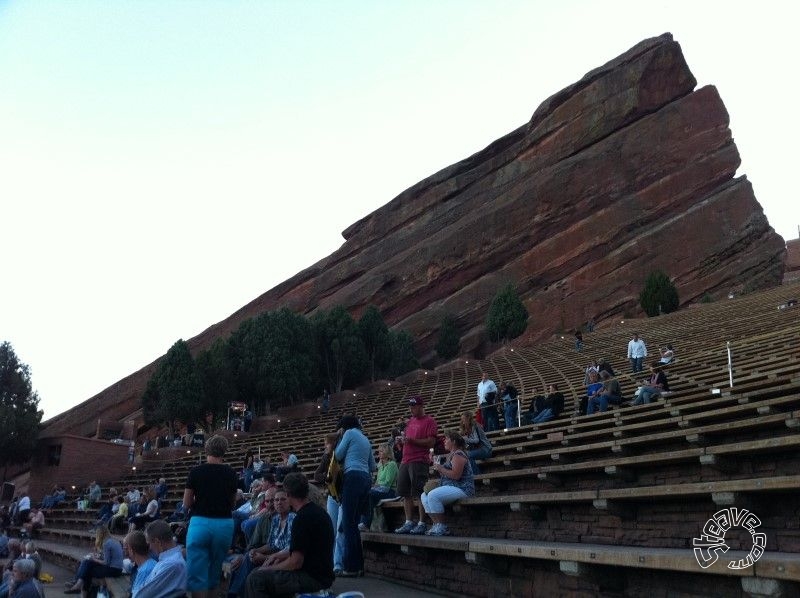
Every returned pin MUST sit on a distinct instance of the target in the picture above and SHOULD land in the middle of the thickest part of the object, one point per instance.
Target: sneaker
(418, 529)
(438, 529)
(405, 528)
(362, 527)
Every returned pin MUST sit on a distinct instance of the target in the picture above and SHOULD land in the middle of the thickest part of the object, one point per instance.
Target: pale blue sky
(162, 163)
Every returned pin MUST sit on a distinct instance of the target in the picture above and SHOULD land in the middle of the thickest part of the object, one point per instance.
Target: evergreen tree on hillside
(375, 336)
(216, 369)
(404, 357)
(175, 391)
(19, 409)
(343, 358)
(659, 295)
(449, 339)
(507, 317)
(275, 359)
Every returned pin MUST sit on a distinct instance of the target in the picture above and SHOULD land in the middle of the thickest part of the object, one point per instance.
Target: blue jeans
(510, 413)
(490, 419)
(355, 497)
(376, 495)
(239, 519)
(647, 394)
(598, 403)
(247, 478)
(334, 512)
(88, 569)
(479, 453)
(436, 500)
(248, 525)
(240, 576)
(636, 364)
(545, 415)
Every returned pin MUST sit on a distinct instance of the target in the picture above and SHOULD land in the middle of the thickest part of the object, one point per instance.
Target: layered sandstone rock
(628, 170)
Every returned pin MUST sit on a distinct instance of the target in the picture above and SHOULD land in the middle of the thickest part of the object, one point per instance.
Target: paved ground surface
(370, 587)
(378, 588)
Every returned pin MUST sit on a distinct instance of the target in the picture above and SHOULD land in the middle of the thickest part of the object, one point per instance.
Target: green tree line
(275, 359)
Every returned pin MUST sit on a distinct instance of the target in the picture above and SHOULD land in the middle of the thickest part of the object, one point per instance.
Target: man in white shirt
(487, 393)
(133, 496)
(95, 492)
(23, 508)
(637, 351)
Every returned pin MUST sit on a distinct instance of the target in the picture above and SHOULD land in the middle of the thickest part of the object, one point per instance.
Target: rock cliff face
(792, 261)
(628, 170)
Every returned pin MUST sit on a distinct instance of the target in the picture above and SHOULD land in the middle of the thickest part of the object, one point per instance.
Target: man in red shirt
(418, 439)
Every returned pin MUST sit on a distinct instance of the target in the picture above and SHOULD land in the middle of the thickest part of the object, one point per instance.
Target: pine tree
(659, 295)
(507, 317)
(375, 336)
(404, 357)
(449, 339)
(19, 409)
(175, 392)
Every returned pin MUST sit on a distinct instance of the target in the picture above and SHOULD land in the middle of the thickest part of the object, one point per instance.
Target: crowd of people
(289, 537)
(262, 521)
(603, 389)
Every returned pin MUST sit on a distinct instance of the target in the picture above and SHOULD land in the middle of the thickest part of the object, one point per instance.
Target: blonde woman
(385, 484)
(106, 562)
(477, 444)
(209, 495)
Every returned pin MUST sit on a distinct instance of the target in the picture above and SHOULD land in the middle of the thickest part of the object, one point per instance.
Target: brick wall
(82, 460)
(500, 577)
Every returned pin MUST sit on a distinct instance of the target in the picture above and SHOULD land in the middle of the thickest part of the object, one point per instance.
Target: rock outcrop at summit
(628, 170)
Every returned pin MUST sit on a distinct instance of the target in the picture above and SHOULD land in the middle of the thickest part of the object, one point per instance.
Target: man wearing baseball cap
(418, 438)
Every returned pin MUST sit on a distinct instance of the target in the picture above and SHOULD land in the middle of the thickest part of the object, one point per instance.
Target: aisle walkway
(369, 586)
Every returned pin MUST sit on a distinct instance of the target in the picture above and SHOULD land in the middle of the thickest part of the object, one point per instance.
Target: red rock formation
(792, 272)
(628, 170)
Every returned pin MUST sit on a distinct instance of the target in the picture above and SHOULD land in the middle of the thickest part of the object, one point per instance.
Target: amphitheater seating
(592, 503)
(570, 554)
(69, 557)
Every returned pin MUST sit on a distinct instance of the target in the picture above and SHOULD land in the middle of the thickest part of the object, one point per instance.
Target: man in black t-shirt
(308, 564)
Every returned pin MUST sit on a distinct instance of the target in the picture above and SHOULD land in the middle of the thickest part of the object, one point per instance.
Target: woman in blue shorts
(209, 495)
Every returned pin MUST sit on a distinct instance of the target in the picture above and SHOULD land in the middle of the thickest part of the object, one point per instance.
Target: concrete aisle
(369, 586)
